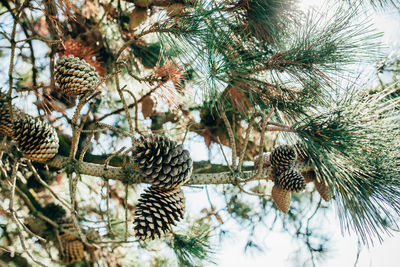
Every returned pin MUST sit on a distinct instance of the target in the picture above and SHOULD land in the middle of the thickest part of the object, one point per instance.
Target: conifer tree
(105, 104)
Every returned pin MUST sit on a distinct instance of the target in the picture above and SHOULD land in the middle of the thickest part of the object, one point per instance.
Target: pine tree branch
(129, 175)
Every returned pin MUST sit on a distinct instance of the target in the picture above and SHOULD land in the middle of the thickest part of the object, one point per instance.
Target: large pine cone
(36, 139)
(283, 158)
(75, 76)
(156, 211)
(165, 164)
(291, 180)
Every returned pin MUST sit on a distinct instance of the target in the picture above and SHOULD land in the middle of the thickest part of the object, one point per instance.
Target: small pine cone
(54, 211)
(36, 139)
(283, 158)
(165, 164)
(324, 190)
(281, 198)
(291, 180)
(156, 211)
(73, 251)
(75, 76)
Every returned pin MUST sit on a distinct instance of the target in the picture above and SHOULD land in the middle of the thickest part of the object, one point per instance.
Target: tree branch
(130, 175)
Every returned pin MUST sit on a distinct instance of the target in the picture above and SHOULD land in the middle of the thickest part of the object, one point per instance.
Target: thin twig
(72, 189)
(261, 146)
(108, 209)
(251, 193)
(136, 109)
(126, 211)
(223, 154)
(37, 176)
(11, 66)
(108, 189)
(75, 128)
(40, 39)
(186, 132)
(121, 96)
(13, 212)
(86, 147)
(232, 142)
(115, 129)
(246, 140)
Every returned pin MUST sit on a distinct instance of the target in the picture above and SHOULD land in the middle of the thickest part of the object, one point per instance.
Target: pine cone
(165, 164)
(156, 211)
(281, 198)
(72, 251)
(36, 139)
(283, 158)
(324, 190)
(291, 180)
(75, 76)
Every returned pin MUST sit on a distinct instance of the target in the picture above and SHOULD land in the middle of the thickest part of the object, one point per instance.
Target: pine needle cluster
(354, 146)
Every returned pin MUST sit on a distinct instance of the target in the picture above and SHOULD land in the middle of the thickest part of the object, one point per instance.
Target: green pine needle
(291, 71)
(193, 247)
(354, 147)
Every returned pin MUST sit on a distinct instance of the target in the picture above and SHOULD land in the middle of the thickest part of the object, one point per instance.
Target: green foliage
(148, 54)
(376, 4)
(227, 48)
(354, 146)
(193, 246)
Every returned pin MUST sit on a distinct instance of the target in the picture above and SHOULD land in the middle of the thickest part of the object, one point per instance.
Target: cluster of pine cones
(36, 139)
(166, 166)
(287, 179)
